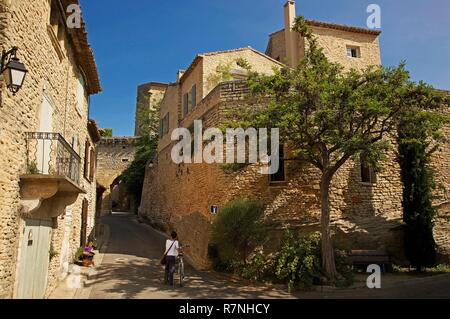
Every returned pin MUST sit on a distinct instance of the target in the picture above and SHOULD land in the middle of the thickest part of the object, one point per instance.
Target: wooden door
(34, 259)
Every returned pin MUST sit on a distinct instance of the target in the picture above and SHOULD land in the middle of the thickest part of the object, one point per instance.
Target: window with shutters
(89, 162)
(86, 159)
(353, 52)
(81, 96)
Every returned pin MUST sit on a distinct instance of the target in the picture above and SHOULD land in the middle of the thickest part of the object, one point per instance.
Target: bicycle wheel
(181, 272)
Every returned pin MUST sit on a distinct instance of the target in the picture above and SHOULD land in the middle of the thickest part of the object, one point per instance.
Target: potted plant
(85, 256)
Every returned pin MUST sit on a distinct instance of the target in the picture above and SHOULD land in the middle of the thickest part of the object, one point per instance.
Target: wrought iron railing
(50, 154)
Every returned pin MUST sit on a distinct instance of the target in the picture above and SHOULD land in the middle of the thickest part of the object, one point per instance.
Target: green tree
(328, 115)
(238, 229)
(146, 145)
(419, 135)
(106, 132)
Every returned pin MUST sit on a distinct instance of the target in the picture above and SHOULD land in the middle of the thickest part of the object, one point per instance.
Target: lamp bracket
(7, 56)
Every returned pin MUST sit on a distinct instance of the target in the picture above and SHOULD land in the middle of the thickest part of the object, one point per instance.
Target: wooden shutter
(84, 217)
(86, 160)
(92, 165)
(167, 123)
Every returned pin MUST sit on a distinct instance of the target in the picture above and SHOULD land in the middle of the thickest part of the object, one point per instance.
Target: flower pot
(86, 262)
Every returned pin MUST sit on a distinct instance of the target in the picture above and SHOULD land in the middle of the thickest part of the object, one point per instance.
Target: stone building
(47, 147)
(366, 207)
(115, 154)
(149, 95)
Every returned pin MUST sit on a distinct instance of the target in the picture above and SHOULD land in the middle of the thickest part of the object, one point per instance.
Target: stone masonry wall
(26, 24)
(114, 155)
(334, 43)
(364, 216)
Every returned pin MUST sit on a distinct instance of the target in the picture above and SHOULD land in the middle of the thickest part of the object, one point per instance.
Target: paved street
(130, 269)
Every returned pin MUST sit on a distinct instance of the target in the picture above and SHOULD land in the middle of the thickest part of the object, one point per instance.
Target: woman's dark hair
(174, 235)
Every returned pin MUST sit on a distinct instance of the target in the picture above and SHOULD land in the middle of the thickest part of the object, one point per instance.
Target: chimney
(291, 37)
(180, 74)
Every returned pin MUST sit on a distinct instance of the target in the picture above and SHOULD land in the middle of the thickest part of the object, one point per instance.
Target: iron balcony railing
(50, 154)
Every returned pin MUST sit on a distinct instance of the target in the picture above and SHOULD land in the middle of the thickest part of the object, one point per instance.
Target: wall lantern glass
(13, 70)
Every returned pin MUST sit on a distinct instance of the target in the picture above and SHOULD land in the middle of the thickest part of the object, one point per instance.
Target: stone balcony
(52, 179)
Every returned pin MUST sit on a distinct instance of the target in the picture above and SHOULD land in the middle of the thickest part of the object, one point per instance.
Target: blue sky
(149, 40)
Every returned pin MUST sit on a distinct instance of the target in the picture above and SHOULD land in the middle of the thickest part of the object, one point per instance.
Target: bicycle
(180, 263)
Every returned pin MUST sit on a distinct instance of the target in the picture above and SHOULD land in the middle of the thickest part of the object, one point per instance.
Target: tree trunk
(328, 263)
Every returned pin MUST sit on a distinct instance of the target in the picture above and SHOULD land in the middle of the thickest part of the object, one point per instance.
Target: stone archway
(115, 154)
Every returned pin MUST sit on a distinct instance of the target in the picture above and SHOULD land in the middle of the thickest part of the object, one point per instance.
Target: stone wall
(115, 154)
(53, 72)
(149, 95)
(334, 43)
(364, 215)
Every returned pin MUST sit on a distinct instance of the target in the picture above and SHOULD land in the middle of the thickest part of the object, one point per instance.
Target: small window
(368, 174)
(164, 125)
(125, 160)
(167, 123)
(279, 176)
(353, 52)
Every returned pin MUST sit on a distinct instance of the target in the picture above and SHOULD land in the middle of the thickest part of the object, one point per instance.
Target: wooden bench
(369, 257)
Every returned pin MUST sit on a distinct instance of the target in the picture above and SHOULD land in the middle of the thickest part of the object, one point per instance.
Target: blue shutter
(194, 95)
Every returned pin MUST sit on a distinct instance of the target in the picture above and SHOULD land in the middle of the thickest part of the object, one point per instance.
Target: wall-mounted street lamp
(13, 70)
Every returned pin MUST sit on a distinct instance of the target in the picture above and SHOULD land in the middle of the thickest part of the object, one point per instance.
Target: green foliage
(419, 135)
(418, 211)
(329, 114)
(223, 73)
(32, 168)
(78, 254)
(217, 263)
(106, 132)
(238, 229)
(299, 262)
(146, 145)
(260, 267)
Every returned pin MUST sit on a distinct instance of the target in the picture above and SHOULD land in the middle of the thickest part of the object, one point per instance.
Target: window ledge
(278, 184)
(55, 42)
(368, 184)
